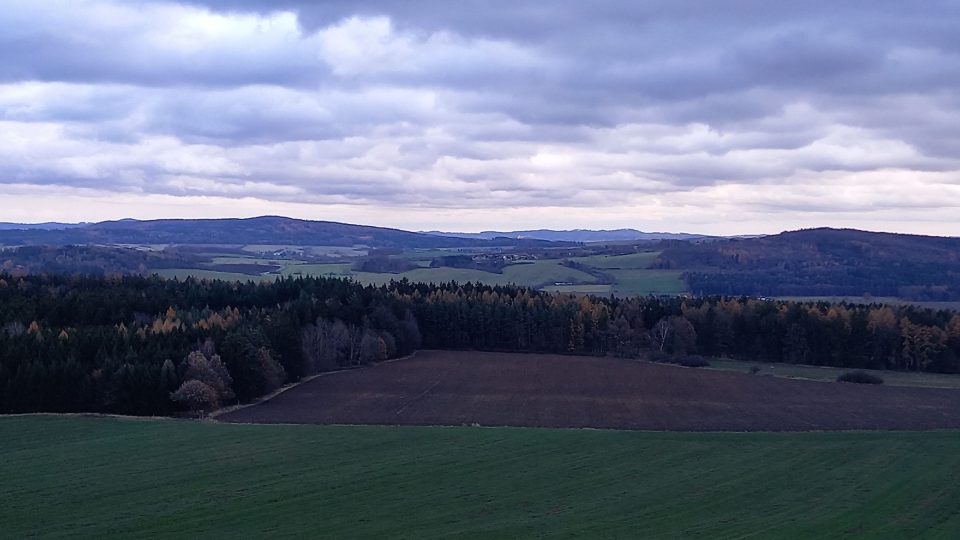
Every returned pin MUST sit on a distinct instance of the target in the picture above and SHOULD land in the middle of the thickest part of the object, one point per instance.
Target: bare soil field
(499, 389)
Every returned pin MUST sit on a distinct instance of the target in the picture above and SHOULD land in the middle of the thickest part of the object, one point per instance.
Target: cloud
(669, 109)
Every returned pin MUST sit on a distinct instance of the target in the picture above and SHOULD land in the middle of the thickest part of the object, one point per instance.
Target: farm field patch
(644, 282)
(430, 275)
(625, 262)
(251, 260)
(586, 288)
(500, 389)
(527, 274)
(629, 271)
(331, 269)
(825, 373)
(322, 251)
(119, 478)
(541, 272)
(198, 273)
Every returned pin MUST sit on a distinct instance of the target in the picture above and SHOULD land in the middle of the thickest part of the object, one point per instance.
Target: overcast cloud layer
(715, 117)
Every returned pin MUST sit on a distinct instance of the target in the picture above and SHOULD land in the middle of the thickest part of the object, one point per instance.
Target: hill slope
(259, 230)
(576, 235)
(48, 226)
(822, 262)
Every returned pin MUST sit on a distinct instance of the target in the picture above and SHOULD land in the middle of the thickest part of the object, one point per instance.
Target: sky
(714, 117)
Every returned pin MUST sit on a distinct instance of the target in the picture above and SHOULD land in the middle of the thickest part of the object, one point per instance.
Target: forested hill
(822, 262)
(269, 230)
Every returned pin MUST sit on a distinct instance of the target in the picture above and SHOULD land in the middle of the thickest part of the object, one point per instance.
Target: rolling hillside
(822, 262)
(258, 230)
(577, 235)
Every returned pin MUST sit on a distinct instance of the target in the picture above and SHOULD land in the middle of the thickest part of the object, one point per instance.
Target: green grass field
(184, 273)
(529, 274)
(330, 269)
(251, 260)
(644, 282)
(587, 288)
(630, 271)
(113, 478)
(325, 251)
(824, 373)
(549, 271)
(632, 261)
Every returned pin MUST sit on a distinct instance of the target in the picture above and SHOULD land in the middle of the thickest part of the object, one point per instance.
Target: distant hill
(270, 230)
(49, 226)
(575, 235)
(822, 262)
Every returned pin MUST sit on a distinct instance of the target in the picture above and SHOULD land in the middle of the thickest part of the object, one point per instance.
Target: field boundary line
(97, 415)
(263, 399)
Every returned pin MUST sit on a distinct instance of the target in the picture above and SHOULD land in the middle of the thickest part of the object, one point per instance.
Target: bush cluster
(860, 377)
(689, 360)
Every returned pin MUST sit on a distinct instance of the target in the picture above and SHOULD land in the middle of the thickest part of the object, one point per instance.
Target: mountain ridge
(576, 235)
(265, 230)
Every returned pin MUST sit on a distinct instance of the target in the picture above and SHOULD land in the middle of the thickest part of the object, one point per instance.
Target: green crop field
(330, 269)
(184, 273)
(251, 260)
(586, 288)
(428, 275)
(323, 251)
(643, 282)
(824, 373)
(629, 271)
(423, 254)
(526, 274)
(540, 272)
(632, 261)
(115, 478)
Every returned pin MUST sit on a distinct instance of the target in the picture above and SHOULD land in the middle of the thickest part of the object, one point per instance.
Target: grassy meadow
(632, 261)
(200, 273)
(121, 478)
(630, 272)
(826, 373)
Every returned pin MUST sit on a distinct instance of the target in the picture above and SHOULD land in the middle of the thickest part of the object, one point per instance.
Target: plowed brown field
(495, 389)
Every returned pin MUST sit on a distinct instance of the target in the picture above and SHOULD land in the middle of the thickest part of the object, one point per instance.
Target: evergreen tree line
(144, 345)
(818, 333)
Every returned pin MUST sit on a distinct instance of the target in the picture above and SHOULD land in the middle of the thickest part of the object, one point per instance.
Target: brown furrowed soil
(498, 389)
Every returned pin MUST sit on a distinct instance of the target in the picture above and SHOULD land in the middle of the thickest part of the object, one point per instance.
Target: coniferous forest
(148, 346)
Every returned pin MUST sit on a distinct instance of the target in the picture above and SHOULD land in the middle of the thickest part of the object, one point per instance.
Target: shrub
(754, 370)
(860, 377)
(692, 360)
(196, 396)
(660, 357)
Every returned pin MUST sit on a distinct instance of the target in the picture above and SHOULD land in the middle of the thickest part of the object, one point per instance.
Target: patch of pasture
(626, 262)
(644, 282)
(184, 273)
(317, 270)
(114, 478)
(586, 288)
(826, 373)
